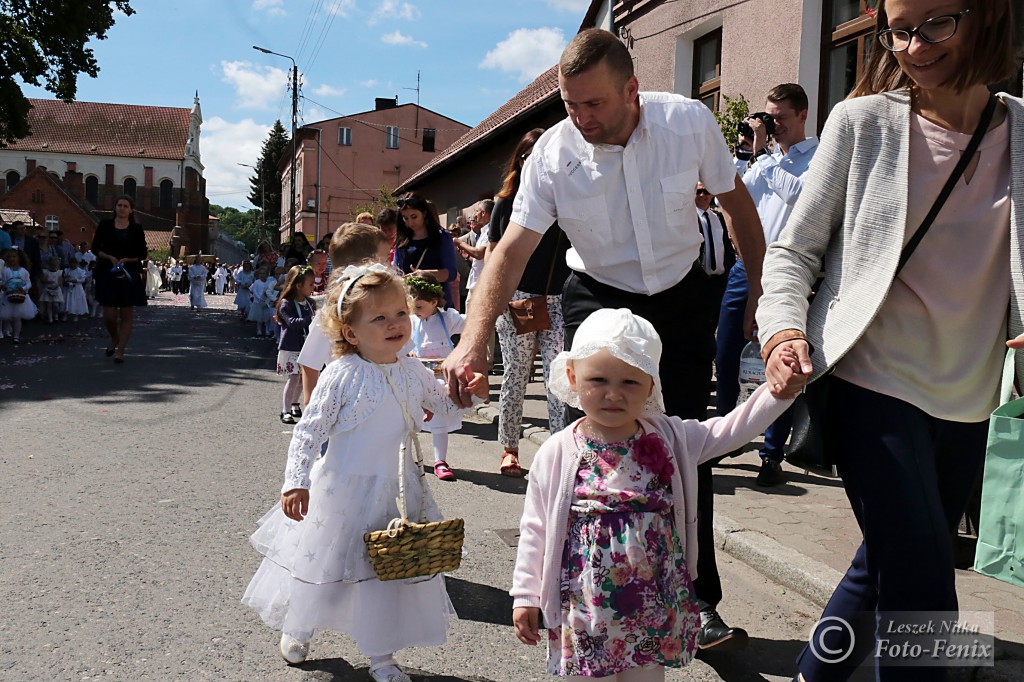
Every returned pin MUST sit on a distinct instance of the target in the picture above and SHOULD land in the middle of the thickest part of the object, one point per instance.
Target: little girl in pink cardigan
(608, 539)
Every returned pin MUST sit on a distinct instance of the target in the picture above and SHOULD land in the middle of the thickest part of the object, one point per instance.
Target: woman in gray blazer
(915, 354)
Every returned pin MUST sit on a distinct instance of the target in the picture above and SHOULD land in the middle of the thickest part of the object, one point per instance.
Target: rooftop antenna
(417, 89)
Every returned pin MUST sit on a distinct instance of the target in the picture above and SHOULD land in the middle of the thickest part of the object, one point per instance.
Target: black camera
(769, 125)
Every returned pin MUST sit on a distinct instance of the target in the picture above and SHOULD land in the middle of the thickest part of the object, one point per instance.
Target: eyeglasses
(703, 193)
(932, 31)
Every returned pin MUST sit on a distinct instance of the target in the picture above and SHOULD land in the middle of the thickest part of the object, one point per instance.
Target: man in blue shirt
(774, 180)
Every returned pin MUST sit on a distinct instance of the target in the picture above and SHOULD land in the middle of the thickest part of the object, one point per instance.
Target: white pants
(655, 673)
(517, 356)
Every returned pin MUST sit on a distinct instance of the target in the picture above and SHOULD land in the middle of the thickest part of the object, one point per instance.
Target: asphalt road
(129, 492)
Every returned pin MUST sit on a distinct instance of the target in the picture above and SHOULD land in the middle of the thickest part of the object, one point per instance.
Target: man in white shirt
(774, 181)
(473, 244)
(619, 176)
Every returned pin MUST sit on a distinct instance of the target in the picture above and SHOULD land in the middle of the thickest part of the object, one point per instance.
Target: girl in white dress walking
(75, 302)
(51, 294)
(432, 330)
(316, 573)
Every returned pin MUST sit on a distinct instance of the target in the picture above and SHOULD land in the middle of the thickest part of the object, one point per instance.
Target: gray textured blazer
(851, 218)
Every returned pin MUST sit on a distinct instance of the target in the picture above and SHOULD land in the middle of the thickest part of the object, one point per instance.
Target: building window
(345, 137)
(848, 36)
(429, 139)
(12, 179)
(392, 142)
(707, 69)
(52, 223)
(92, 190)
(166, 187)
(129, 187)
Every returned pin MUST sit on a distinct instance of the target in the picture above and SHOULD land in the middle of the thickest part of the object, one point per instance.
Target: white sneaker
(293, 651)
(389, 673)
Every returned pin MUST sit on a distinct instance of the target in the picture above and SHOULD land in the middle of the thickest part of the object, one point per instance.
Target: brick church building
(81, 156)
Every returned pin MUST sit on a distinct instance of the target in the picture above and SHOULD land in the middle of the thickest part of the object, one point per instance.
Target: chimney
(381, 103)
(74, 182)
(30, 165)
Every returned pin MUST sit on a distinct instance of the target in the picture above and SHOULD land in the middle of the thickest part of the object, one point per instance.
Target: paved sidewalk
(802, 535)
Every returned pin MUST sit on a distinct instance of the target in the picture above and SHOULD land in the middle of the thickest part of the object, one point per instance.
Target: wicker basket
(406, 549)
(15, 297)
(411, 550)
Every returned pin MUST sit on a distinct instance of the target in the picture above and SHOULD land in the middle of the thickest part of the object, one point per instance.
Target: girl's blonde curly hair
(366, 286)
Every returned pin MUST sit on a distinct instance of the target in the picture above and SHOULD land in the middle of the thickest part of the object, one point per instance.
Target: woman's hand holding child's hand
(295, 503)
(527, 622)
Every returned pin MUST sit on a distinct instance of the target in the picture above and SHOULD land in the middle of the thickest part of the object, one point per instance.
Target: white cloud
(399, 38)
(368, 84)
(224, 145)
(272, 7)
(526, 52)
(569, 5)
(257, 87)
(326, 90)
(341, 8)
(393, 9)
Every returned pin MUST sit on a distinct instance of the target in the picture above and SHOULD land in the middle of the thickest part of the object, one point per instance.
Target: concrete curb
(783, 565)
(535, 434)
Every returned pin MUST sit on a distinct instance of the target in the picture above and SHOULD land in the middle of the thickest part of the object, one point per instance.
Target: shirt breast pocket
(586, 223)
(679, 191)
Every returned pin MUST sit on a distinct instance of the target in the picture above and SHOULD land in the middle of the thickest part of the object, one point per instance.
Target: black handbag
(808, 445)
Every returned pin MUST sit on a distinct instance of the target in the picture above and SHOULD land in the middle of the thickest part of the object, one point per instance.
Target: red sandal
(443, 471)
(510, 465)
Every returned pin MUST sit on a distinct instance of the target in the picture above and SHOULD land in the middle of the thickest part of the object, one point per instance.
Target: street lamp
(295, 118)
(263, 200)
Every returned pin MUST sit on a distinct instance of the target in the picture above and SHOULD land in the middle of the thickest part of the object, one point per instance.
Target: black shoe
(770, 473)
(715, 634)
(287, 418)
(296, 411)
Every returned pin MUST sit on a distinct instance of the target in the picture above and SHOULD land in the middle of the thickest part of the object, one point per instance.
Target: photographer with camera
(774, 179)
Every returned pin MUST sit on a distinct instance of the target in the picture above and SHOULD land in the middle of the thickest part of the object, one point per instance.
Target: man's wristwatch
(757, 155)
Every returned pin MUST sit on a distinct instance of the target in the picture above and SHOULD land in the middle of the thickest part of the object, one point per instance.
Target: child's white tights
(654, 673)
(440, 446)
(292, 391)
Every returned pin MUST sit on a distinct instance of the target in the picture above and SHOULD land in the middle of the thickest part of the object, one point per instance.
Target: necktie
(710, 264)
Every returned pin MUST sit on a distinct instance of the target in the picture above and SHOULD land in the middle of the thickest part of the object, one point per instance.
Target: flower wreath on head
(420, 284)
(351, 274)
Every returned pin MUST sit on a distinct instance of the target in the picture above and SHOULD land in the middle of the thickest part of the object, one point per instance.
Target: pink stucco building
(342, 163)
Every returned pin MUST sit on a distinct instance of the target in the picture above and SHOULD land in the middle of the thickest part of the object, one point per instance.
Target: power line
(323, 33)
(307, 28)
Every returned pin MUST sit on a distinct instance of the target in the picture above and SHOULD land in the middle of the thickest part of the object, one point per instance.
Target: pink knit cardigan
(544, 525)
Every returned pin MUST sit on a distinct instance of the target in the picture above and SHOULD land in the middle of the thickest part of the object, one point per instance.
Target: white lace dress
(316, 573)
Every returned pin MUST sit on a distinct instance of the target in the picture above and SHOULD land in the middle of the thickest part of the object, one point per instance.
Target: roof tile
(540, 90)
(106, 129)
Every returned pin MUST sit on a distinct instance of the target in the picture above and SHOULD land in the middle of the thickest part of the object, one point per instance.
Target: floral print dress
(627, 600)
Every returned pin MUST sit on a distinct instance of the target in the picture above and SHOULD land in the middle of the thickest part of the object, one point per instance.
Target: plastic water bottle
(752, 373)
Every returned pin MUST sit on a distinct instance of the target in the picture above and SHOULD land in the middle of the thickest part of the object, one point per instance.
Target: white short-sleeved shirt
(628, 211)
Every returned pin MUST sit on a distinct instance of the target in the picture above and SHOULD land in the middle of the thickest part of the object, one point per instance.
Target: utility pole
(417, 89)
(295, 118)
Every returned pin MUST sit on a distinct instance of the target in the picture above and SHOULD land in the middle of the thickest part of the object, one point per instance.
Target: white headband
(353, 273)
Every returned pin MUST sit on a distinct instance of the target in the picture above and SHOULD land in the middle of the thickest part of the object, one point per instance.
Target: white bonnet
(626, 336)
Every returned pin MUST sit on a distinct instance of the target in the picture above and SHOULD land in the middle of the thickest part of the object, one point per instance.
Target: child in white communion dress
(316, 573)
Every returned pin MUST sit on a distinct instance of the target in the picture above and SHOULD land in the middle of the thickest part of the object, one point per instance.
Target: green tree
(43, 42)
(735, 110)
(386, 199)
(243, 226)
(266, 183)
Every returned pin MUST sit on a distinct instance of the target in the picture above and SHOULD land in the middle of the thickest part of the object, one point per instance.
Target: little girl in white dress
(51, 293)
(75, 302)
(316, 573)
(432, 329)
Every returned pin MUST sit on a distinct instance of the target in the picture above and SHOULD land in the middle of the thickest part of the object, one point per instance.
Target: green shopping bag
(1000, 552)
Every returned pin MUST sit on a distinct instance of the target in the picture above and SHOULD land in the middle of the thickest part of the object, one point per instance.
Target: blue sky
(473, 55)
